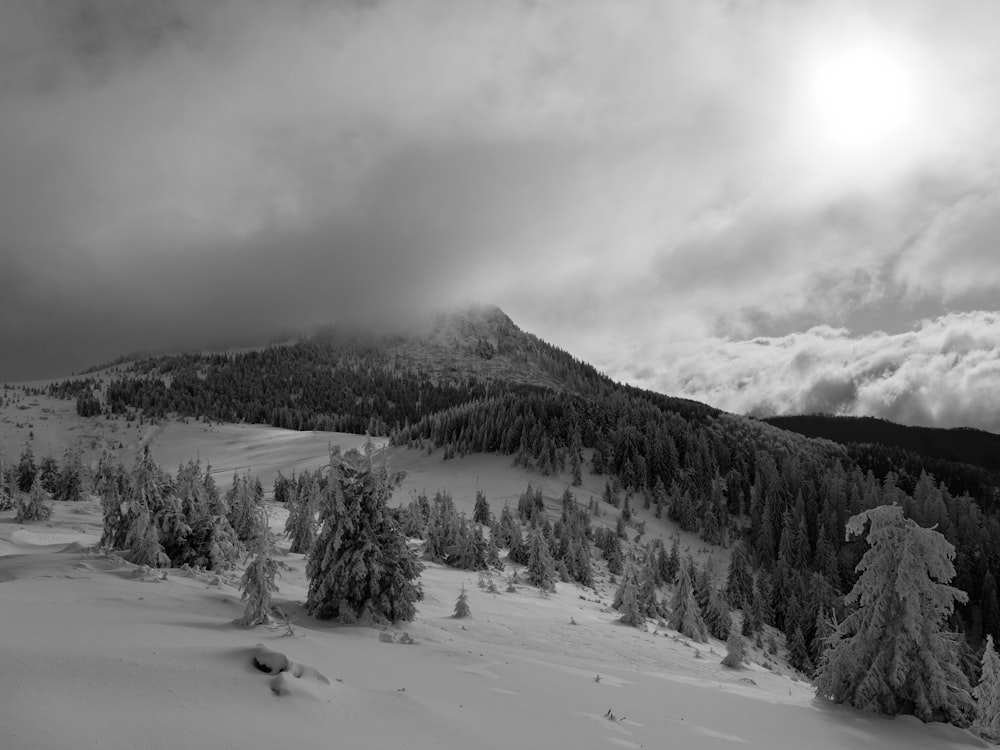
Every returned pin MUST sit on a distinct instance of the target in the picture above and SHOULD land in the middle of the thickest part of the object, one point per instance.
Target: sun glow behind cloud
(863, 106)
(862, 97)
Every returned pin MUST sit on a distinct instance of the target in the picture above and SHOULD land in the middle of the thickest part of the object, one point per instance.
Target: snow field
(96, 652)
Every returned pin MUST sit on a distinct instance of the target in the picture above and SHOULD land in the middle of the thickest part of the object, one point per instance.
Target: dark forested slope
(355, 382)
(961, 445)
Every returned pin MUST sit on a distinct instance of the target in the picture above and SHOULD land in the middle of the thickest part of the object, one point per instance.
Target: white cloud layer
(944, 372)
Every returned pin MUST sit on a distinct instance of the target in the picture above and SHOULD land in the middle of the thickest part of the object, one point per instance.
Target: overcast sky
(772, 206)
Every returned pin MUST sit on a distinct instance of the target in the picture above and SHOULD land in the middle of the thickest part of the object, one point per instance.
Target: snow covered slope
(96, 652)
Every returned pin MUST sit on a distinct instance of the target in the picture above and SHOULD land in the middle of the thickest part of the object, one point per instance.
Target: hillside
(101, 652)
(967, 460)
(350, 380)
(473, 382)
(473, 390)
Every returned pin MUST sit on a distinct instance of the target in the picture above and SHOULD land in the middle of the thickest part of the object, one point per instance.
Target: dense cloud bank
(946, 372)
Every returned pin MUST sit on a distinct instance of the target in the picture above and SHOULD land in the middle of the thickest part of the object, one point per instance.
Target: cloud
(944, 372)
(616, 177)
(956, 253)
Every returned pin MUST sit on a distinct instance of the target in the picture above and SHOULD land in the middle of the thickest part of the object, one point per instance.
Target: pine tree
(504, 527)
(761, 607)
(793, 615)
(257, 583)
(143, 540)
(822, 631)
(222, 547)
(70, 484)
(7, 492)
(282, 485)
(739, 583)
(114, 510)
(659, 496)
(481, 511)
(48, 473)
(683, 511)
(567, 503)
(360, 564)
(703, 579)
(241, 500)
(752, 624)
(631, 587)
(717, 617)
(442, 528)
(781, 580)
(685, 616)
(990, 605)
(825, 558)
(577, 559)
(517, 551)
(620, 528)
(462, 604)
(674, 560)
(34, 506)
(798, 653)
(711, 530)
(597, 462)
(492, 553)
(631, 613)
(646, 581)
(613, 554)
(191, 491)
(610, 497)
(891, 654)
(662, 565)
(576, 458)
(735, 650)
(470, 551)
(26, 469)
(788, 552)
(526, 505)
(210, 541)
(541, 566)
(300, 525)
(987, 693)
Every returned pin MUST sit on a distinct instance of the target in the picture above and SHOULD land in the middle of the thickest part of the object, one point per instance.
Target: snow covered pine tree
(360, 564)
(987, 694)
(735, 650)
(891, 654)
(685, 615)
(257, 583)
(462, 604)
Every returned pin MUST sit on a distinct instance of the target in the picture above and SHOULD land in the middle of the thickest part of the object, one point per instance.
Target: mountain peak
(474, 323)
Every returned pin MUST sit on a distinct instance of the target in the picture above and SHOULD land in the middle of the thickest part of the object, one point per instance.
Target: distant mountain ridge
(959, 445)
(356, 381)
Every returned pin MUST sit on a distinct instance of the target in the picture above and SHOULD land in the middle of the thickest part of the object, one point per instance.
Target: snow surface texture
(99, 653)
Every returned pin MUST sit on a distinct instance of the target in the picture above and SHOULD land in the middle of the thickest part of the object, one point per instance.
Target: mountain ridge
(966, 445)
(383, 381)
